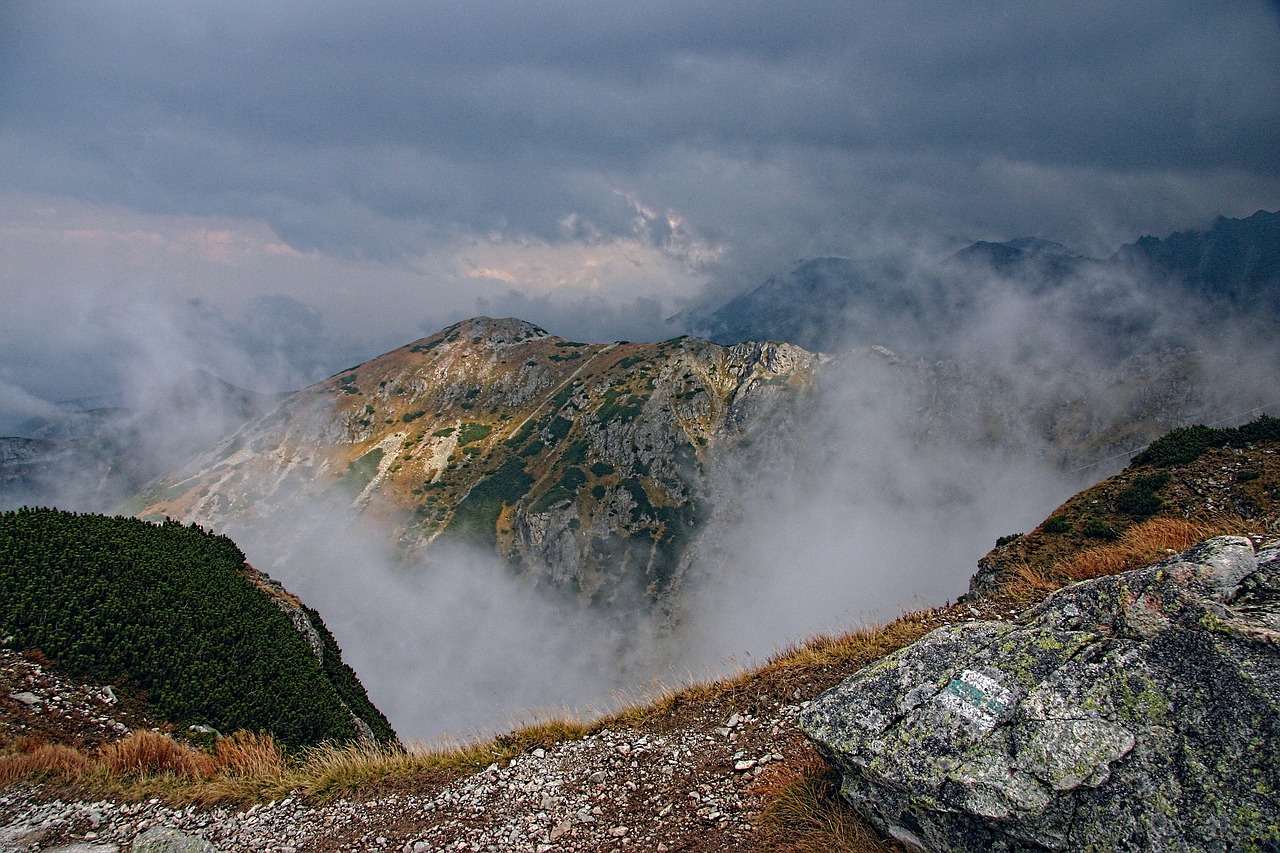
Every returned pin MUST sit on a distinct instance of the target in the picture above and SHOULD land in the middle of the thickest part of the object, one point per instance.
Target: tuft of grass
(805, 813)
(1028, 583)
(1140, 545)
(1145, 543)
(249, 754)
(33, 761)
(145, 753)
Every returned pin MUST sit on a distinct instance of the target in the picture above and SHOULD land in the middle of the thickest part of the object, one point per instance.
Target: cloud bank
(374, 163)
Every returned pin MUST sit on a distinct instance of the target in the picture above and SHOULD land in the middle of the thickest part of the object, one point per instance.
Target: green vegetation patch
(558, 429)
(361, 471)
(472, 432)
(643, 509)
(166, 607)
(1187, 444)
(1140, 501)
(427, 347)
(522, 434)
(1057, 524)
(410, 417)
(616, 408)
(575, 453)
(1096, 528)
(561, 399)
(571, 479)
(348, 384)
(533, 448)
(476, 517)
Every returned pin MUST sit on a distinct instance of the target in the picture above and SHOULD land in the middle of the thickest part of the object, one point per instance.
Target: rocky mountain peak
(579, 463)
(490, 331)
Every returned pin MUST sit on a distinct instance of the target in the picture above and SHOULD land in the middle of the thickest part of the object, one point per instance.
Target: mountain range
(591, 469)
(830, 304)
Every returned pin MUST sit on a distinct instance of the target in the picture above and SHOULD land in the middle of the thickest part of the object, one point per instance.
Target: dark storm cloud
(379, 129)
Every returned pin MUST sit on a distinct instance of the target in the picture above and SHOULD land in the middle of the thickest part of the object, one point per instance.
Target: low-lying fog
(881, 497)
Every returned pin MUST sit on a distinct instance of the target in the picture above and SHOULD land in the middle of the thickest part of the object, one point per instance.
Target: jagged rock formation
(579, 463)
(1137, 711)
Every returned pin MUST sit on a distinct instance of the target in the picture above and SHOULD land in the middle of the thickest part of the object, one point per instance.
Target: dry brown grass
(33, 761)
(149, 753)
(853, 650)
(1149, 541)
(246, 754)
(1140, 545)
(804, 812)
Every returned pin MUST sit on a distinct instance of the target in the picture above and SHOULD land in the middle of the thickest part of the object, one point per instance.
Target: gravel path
(689, 788)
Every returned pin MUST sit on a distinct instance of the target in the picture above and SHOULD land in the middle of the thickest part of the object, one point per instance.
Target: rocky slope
(579, 463)
(1054, 731)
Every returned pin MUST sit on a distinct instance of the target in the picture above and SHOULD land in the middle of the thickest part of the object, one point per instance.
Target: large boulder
(1133, 712)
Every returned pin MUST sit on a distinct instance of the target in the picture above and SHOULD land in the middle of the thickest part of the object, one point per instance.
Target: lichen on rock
(1137, 712)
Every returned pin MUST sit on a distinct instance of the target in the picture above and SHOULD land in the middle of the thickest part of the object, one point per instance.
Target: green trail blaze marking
(977, 697)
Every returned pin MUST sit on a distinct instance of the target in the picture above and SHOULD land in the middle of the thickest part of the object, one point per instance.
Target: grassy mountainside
(578, 463)
(176, 611)
(1196, 473)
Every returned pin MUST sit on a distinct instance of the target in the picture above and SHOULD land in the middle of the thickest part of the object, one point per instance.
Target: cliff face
(581, 464)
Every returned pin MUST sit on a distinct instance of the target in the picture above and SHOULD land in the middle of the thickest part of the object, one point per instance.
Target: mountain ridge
(832, 303)
(579, 463)
(735, 744)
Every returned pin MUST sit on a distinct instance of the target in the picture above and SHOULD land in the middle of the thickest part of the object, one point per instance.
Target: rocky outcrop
(1132, 712)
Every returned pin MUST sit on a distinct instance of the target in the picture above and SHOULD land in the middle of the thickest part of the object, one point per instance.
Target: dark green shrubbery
(1140, 501)
(166, 607)
(1095, 528)
(617, 408)
(475, 519)
(1057, 524)
(1187, 444)
(566, 489)
(473, 432)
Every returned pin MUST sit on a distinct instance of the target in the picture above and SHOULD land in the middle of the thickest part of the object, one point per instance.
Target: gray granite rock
(1134, 712)
(164, 839)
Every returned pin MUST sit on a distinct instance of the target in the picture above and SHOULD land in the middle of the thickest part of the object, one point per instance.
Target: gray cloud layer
(375, 130)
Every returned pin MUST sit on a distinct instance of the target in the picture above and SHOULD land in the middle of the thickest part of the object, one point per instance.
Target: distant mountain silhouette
(829, 304)
(1235, 264)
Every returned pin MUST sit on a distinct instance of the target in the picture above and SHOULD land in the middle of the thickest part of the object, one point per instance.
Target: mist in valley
(876, 493)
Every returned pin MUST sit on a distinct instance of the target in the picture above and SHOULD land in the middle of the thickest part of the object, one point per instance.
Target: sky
(276, 191)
